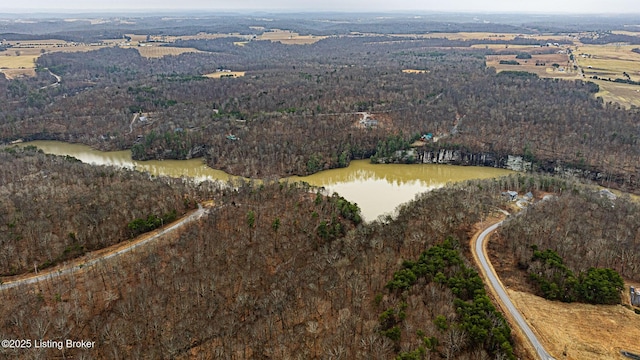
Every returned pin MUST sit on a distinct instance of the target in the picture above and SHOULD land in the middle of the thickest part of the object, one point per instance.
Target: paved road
(78, 264)
(504, 298)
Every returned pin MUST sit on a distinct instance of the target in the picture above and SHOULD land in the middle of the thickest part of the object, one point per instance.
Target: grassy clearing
(464, 36)
(222, 74)
(580, 331)
(485, 36)
(160, 51)
(17, 62)
(137, 38)
(564, 70)
(611, 59)
(198, 36)
(611, 62)
(283, 36)
(289, 37)
(630, 33)
(415, 71)
(16, 73)
(505, 47)
(624, 94)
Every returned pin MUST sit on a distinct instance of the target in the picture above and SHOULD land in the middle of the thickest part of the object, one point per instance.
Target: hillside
(56, 208)
(584, 227)
(274, 271)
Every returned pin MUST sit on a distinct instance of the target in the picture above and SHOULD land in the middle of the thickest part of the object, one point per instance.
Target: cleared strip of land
(221, 74)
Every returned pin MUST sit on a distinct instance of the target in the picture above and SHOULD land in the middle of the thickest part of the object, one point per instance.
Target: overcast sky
(538, 6)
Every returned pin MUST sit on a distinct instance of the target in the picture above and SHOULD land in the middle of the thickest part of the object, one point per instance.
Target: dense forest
(56, 208)
(277, 270)
(305, 100)
(281, 270)
(594, 232)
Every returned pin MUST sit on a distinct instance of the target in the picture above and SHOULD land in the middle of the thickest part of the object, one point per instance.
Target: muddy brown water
(377, 189)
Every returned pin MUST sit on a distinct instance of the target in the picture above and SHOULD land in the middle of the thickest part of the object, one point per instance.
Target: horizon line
(211, 11)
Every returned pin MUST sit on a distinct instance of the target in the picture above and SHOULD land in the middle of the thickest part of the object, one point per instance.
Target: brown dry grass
(415, 71)
(630, 33)
(569, 331)
(464, 36)
(16, 73)
(160, 51)
(580, 331)
(283, 36)
(220, 74)
(624, 94)
(289, 37)
(506, 47)
(198, 36)
(565, 71)
(484, 36)
(17, 62)
(610, 61)
(20, 59)
(137, 38)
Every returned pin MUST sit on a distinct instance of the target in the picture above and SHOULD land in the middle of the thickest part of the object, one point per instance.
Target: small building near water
(635, 296)
(426, 137)
(511, 195)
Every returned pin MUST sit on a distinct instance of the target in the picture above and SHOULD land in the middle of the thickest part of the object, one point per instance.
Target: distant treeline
(608, 38)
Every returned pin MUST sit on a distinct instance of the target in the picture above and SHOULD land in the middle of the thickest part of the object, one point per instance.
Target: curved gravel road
(79, 264)
(480, 248)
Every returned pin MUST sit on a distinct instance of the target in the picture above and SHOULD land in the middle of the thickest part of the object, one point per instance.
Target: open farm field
(528, 48)
(626, 32)
(36, 47)
(17, 62)
(283, 36)
(563, 71)
(609, 60)
(464, 35)
(624, 94)
(567, 329)
(289, 37)
(612, 62)
(160, 51)
(483, 36)
(198, 36)
(137, 38)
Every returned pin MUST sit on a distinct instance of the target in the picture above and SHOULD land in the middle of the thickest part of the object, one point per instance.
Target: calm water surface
(377, 189)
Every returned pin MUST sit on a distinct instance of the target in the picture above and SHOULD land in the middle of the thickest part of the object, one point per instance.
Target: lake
(377, 188)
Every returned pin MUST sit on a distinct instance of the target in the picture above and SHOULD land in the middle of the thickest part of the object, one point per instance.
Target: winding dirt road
(105, 254)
